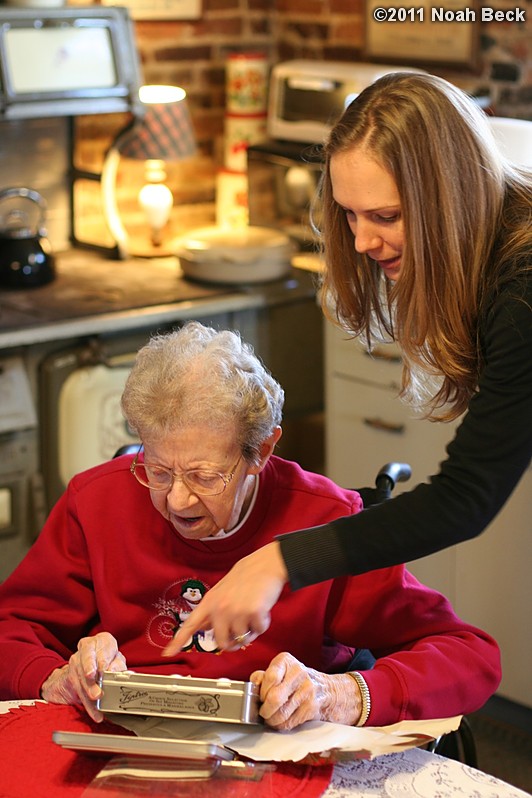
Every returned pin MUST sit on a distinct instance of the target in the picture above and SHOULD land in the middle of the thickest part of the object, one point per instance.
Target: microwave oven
(307, 97)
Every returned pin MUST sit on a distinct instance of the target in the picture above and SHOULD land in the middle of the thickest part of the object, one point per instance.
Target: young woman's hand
(76, 682)
(238, 607)
(291, 694)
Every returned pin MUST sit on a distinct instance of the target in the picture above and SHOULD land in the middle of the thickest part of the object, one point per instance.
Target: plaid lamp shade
(165, 133)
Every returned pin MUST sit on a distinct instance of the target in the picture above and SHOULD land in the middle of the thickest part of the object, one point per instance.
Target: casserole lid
(220, 244)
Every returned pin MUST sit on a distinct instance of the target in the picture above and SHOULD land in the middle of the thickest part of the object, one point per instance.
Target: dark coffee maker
(26, 258)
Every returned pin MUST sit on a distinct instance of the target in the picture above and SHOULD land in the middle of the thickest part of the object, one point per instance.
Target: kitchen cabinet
(366, 426)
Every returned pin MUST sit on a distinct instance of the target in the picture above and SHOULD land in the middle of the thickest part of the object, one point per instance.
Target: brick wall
(334, 29)
(193, 53)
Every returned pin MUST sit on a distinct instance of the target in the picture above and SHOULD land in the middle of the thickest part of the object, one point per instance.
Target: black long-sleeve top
(491, 449)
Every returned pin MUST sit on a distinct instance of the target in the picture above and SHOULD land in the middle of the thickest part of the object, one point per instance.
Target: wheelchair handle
(395, 472)
(388, 476)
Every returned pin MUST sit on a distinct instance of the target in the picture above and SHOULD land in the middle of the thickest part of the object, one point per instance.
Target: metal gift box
(175, 696)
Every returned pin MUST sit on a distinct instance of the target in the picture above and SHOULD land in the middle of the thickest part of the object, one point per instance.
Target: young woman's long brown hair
(467, 229)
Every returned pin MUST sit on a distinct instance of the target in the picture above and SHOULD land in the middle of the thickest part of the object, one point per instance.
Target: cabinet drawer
(368, 426)
(347, 356)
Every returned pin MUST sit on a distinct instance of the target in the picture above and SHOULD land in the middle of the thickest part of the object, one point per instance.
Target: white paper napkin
(261, 743)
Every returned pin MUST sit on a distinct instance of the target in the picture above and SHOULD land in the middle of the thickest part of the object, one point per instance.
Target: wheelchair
(460, 744)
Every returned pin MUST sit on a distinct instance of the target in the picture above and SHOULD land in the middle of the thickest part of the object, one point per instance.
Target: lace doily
(415, 774)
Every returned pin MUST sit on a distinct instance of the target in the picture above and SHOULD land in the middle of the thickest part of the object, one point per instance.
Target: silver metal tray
(145, 746)
(175, 696)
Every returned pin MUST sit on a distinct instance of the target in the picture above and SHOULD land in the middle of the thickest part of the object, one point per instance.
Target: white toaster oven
(306, 97)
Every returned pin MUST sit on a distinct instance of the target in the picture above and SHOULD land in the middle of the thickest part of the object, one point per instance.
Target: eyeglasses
(197, 480)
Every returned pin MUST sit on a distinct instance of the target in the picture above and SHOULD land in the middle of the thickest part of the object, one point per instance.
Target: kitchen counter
(91, 295)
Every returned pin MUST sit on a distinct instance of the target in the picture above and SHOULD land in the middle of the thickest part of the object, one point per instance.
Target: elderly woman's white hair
(199, 376)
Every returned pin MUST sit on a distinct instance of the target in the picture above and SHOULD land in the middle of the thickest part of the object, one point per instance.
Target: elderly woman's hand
(75, 683)
(292, 694)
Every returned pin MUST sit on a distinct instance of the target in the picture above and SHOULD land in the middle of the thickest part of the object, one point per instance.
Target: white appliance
(306, 97)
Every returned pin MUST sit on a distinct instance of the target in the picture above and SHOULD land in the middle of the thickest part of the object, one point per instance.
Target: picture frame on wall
(423, 33)
(161, 9)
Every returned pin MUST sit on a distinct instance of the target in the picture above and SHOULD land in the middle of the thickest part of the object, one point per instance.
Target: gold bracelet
(364, 694)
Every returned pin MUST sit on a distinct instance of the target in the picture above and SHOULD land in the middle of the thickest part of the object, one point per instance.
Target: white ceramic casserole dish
(249, 255)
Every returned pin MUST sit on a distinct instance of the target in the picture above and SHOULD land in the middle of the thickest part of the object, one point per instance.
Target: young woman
(427, 241)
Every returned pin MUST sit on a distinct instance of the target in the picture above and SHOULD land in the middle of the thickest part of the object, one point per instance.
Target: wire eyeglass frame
(224, 479)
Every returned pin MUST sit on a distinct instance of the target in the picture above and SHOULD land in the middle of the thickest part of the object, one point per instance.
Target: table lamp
(163, 133)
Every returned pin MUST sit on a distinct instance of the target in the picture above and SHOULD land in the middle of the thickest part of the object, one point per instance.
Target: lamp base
(145, 248)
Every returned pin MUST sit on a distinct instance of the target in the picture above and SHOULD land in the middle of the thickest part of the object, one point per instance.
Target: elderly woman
(134, 545)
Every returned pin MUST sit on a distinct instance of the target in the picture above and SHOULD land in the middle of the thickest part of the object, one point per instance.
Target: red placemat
(33, 765)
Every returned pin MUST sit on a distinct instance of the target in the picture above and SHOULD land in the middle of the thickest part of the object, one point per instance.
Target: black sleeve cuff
(313, 555)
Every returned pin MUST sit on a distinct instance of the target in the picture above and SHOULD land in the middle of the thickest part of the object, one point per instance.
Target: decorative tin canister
(246, 83)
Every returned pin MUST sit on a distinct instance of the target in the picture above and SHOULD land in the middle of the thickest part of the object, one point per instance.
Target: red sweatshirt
(106, 560)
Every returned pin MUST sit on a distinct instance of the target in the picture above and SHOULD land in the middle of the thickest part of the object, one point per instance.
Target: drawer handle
(384, 426)
(382, 354)
(392, 386)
